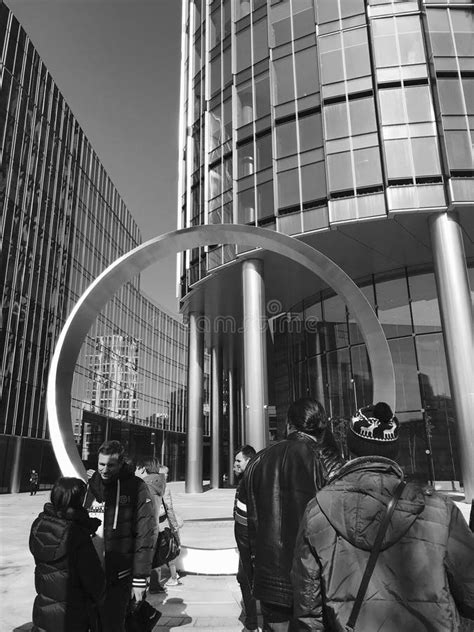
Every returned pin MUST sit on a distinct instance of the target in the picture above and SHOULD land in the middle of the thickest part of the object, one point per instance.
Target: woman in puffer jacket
(69, 579)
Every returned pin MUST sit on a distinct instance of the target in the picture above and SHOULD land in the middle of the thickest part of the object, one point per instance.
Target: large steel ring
(132, 263)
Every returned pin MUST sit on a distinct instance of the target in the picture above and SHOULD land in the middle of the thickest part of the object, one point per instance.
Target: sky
(117, 64)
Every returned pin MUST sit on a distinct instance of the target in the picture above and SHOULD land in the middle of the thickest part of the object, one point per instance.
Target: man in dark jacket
(424, 574)
(244, 573)
(125, 541)
(276, 487)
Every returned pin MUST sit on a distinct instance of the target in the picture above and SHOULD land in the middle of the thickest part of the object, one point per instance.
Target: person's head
(68, 492)
(110, 461)
(373, 431)
(242, 457)
(307, 415)
(143, 467)
(164, 470)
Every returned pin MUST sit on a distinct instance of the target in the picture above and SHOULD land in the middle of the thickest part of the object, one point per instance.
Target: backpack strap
(369, 569)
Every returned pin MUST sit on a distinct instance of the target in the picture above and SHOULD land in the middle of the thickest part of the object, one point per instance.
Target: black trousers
(113, 611)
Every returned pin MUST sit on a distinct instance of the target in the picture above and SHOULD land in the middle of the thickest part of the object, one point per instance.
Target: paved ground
(201, 602)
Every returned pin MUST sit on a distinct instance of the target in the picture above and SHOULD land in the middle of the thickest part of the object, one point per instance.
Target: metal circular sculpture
(132, 263)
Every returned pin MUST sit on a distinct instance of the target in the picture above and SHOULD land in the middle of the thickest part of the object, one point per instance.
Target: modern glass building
(62, 223)
(347, 124)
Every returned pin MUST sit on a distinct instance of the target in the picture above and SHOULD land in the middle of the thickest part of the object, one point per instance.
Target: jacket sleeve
(306, 581)
(329, 455)
(248, 537)
(460, 562)
(145, 530)
(168, 500)
(91, 573)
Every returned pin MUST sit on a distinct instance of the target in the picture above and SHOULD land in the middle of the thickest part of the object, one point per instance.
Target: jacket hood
(157, 483)
(50, 531)
(356, 500)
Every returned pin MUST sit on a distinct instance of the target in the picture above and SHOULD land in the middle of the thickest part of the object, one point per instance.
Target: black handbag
(141, 617)
(167, 546)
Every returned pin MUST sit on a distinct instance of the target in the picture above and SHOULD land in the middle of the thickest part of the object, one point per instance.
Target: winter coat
(276, 487)
(424, 573)
(156, 486)
(130, 527)
(68, 577)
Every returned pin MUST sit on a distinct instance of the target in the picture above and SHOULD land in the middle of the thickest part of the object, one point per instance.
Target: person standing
(276, 487)
(34, 482)
(244, 573)
(169, 519)
(126, 539)
(69, 579)
(424, 574)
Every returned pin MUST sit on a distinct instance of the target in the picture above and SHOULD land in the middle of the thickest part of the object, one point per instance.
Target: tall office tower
(347, 124)
(62, 223)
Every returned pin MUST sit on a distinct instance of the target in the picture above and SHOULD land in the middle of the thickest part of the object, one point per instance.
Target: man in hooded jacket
(126, 539)
(424, 574)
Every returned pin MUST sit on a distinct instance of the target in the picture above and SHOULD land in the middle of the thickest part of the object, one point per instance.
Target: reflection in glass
(406, 376)
(392, 307)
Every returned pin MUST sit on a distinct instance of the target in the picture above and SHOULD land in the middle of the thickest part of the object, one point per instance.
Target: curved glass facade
(62, 223)
(345, 124)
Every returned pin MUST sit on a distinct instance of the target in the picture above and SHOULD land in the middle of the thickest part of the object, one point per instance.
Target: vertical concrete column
(456, 313)
(255, 353)
(194, 435)
(231, 415)
(15, 476)
(216, 414)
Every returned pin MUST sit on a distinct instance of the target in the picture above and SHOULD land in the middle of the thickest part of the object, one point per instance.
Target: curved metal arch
(132, 263)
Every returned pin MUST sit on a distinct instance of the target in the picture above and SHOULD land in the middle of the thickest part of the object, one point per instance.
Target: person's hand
(138, 593)
(90, 474)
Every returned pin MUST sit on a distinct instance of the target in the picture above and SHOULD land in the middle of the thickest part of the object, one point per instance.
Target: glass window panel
(440, 33)
(406, 375)
(290, 224)
(451, 96)
(215, 181)
(260, 42)
(265, 202)
(313, 182)
(327, 10)
(262, 95)
(419, 106)
(303, 19)
(410, 40)
(459, 146)
(246, 160)
(341, 400)
(335, 323)
(317, 379)
(397, 155)
(216, 74)
(283, 80)
(307, 75)
(288, 188)
(356, 53)
(336, 121)
(286, 139)
(280, 24)
(227, 106)
(332, 68)
(314, 329)
(243, 49)
(362, 376)
(300, 384)
(340, 172)
(227, 175)
(392, 106)
(362, 113)
(310, 131)
(367, 166)
(354, 331)
(425, 156)
(392, 307)
(463, 26)
(424, 303)
(242, 8)
(264, 152)
(385, 42)
(215, 27)
(244, 104)
(227, 66)
(246, 206)
(226, 17)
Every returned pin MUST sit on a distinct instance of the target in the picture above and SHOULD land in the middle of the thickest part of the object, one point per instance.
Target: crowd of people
(324, 544)
(328, 545)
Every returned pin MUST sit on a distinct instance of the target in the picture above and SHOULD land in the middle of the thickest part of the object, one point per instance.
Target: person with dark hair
(69, 579)
(126, 539)
(244, 573)
(149, 471)
(276, 487)
(422, 575)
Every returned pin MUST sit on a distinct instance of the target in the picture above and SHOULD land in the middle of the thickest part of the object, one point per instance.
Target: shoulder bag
(369, 569)
(167, 546)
